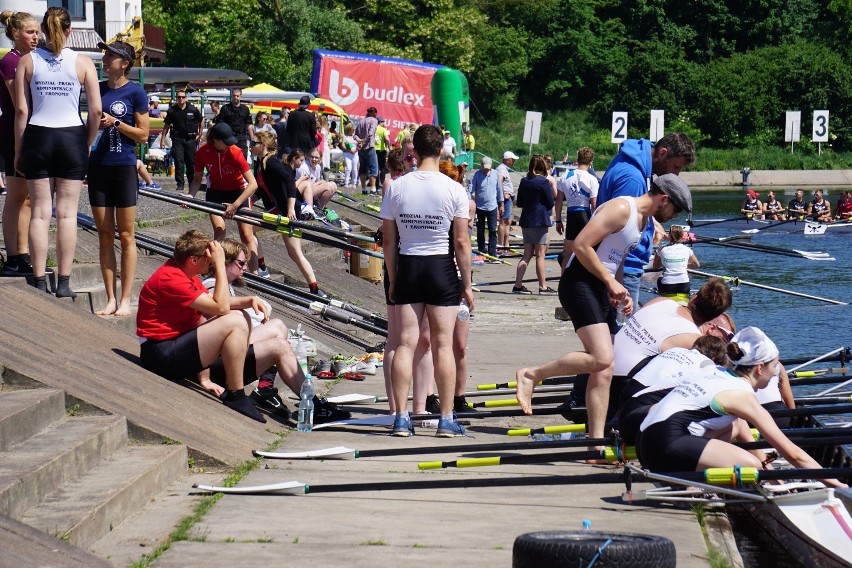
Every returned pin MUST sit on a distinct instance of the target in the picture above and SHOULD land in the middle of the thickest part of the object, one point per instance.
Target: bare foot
(123, 310)
(108, 310)
(524, 390)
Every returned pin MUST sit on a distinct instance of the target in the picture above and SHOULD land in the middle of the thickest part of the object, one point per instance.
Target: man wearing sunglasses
(185, 123)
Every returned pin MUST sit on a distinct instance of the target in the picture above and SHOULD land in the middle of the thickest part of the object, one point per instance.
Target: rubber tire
(577, 548)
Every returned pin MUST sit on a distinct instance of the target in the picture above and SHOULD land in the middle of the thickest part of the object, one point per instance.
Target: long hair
(15, 22)
(537, 167)
(55, 25)
(270, 145)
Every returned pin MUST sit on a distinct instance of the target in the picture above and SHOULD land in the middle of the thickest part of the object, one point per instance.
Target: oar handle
(548, 430)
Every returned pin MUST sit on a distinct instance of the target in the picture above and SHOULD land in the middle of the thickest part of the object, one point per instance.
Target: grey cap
(486, 163)
(676, 189)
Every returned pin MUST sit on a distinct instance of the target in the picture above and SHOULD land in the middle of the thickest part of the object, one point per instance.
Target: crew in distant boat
(752, 207)
(796, 208)
(675, 259)
(819, 209)
(844, 206)
(772, 209)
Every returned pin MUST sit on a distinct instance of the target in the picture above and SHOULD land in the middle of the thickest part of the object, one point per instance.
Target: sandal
(354, 376)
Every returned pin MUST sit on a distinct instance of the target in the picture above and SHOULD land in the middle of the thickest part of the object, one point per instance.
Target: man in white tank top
(600, 248)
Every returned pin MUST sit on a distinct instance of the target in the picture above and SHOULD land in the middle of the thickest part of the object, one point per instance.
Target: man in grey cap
(508, 194)
(591, 294)
(486, 192)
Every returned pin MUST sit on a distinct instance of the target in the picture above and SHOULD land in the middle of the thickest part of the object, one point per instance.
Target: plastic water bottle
(302, 357)
(587, 525)
(306, 406)
(464, 311)
(620, 317)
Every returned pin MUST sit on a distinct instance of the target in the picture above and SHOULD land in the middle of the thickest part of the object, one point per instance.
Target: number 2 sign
(619, 127)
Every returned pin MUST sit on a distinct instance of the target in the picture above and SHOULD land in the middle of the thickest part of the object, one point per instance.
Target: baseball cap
(155, 98)
(224, 133)
(752, 193)
(123, 50)
(486, 163)
(755, 345)
(676, 189)
(509, 155)
(304, 102)
(380, 119)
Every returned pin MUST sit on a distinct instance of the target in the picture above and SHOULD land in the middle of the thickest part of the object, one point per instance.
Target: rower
(772, 209)
(752, 207)
(797, 209)
(690, 428)
(675, 258)
(819, 209)
(844, 206)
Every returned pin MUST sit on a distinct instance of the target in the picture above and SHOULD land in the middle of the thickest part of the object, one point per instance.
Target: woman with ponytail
(56, 141)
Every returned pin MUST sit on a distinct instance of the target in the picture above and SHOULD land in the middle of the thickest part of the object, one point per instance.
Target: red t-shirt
(225, 169)
(164, 301)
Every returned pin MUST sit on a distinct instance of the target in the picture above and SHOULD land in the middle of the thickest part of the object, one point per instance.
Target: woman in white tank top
(52, 147)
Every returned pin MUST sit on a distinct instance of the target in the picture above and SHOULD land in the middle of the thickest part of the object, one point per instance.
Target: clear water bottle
(620, 317)
(464, 311)
(306, 406)
(302, 357)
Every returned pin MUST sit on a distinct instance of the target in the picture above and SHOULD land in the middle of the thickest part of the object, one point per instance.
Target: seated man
(171, 302)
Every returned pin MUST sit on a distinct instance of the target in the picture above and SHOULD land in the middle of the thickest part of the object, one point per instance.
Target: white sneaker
(263, 272)
(308, 213)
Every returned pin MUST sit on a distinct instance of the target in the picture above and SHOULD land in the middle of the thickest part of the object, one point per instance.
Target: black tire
(578, 548)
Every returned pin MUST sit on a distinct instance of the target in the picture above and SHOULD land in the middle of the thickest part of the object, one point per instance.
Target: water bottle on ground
(587, 525)
(464, 311)
(306, 406)
(302, 356)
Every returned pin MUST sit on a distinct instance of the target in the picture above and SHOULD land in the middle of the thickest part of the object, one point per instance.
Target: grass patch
(296, 540)
(714, 557)
(184, 526)
(374, 542)
(73, 410)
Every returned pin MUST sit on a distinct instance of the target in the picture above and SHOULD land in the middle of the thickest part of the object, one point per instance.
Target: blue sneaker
(402, 426)
(154, 185)
(449, 429)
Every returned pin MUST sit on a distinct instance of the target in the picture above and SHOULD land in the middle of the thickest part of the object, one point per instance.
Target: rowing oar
(800, 433)
(610, 454)
(842, 354)
(218, 209)
(814, 400)
(277, 220)
(512, 384)
(742, 476)
(356, 398)
(514, 402)
(693, 225)
(560, 429)
(352, 207)
(764, 287)
(342, 452)
(762, 248)
(465, 482)
(788, 412)
(818, 372)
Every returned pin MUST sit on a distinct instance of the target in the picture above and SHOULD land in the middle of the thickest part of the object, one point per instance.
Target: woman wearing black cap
(113, 180)
(230, 183)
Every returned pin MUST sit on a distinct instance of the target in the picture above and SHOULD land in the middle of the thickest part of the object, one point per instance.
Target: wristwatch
(117, 123)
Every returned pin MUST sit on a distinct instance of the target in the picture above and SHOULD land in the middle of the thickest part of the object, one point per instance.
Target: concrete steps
(75, 476)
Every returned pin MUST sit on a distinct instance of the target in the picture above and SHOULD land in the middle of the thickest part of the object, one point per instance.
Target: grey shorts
(535, 235)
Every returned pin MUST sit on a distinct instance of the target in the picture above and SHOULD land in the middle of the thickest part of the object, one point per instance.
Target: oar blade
(337, 452)
(287, 487)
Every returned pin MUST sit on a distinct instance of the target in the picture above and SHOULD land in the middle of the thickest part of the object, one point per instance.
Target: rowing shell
(757, 226)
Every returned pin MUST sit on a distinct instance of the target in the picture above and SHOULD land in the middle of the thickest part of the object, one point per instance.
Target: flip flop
(354, 376)
(325, 375)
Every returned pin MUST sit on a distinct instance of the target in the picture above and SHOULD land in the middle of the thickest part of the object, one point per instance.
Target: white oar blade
(383, 420)
(338, 452)
(290, 487)
(353, 398)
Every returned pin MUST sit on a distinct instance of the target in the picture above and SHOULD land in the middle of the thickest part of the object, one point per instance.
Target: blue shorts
(507, 209)
(368, 162)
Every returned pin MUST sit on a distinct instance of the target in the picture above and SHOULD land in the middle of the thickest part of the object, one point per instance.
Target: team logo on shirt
(229, 170)
(118, 108)
(54, 64)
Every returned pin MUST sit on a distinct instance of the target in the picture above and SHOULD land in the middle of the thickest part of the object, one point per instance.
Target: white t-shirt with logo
(424, 204)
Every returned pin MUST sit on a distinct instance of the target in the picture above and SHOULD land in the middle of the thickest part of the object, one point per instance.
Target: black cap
(304, 102)
(123, 50)
(224, 133)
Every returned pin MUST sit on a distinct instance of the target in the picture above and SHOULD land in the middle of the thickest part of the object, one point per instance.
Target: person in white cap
(154, 106)
(691, 427)
(508, 193)
(591, 294)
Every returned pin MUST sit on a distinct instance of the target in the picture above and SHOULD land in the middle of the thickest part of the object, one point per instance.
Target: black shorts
(682, 288)
(387, 285)
(429, 280)
(634, 409)
(55, 152)
(585, 298)
(574, 223)
(223, 196)
(173, 359)
(217, 369)
(668, 446)
(113, 186)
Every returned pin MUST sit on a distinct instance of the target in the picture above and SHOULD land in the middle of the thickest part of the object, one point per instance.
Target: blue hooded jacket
(629, 174)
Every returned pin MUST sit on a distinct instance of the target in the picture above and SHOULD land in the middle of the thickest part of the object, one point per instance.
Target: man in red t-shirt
(230, 182)
(174, 346)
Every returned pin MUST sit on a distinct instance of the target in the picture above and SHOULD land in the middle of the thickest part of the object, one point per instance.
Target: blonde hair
(55, 26)
(15, 22)
(270, 144)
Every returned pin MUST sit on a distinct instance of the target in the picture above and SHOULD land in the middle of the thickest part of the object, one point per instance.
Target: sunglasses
(180, 97)
(727, 332)
(409, 158)
(253, 143)
(240, 263)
